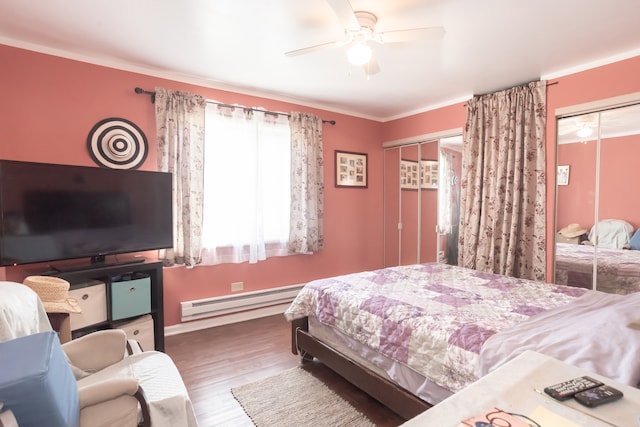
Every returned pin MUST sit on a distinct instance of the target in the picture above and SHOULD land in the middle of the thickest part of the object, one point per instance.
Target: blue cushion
(635, 240)
(36, 382)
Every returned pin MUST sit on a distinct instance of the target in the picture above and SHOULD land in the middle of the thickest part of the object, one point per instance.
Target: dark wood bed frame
(396, 398)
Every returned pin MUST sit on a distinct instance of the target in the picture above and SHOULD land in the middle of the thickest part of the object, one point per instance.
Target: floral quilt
(618, 269)
(432, 317)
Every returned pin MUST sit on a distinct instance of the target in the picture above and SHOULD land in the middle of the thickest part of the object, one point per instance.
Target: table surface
(512, 388)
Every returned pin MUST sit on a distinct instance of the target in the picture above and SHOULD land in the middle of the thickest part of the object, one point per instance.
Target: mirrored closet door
(450, 171)
(402, 205)
(597, 210)
(420, 178)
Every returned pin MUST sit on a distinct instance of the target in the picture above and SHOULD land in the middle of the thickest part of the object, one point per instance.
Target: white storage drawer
(92, 296)
(141, 330)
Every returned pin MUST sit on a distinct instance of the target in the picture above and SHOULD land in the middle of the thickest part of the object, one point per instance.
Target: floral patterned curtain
(306, 233)
(503, 218)
(180, 134)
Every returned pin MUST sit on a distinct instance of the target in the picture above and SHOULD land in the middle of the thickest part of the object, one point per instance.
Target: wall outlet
(237, 286)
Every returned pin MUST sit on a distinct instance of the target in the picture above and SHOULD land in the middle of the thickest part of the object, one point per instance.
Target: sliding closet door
(597, 210)
(618, 208)
(410, 208)
(429, 184)
(391, 207)
(450, 171)
(402, 205)
(577, 153)
(412, 181)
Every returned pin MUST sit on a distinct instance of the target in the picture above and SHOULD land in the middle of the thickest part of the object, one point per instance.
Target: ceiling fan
(582, 126)
(360, 31)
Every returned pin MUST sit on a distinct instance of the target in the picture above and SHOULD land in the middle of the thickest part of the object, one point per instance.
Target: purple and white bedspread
(618, 269)
(432, 317)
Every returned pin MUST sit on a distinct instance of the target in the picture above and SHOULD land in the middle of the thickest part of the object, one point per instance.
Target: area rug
(296, 398)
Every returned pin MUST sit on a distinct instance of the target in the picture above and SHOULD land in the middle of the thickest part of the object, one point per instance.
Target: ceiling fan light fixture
(359, 54)
(585, 131)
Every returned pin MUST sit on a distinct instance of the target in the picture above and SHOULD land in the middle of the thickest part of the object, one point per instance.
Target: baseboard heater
(228, 304)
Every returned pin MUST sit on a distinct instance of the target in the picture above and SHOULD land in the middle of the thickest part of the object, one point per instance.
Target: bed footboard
(399, 400)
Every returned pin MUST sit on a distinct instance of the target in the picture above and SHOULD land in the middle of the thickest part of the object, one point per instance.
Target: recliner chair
(115, 388)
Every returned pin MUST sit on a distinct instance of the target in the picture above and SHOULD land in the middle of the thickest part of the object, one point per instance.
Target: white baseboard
(197, 325)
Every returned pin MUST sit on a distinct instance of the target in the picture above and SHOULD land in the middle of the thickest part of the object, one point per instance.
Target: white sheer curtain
(445, 194)
(246, 185)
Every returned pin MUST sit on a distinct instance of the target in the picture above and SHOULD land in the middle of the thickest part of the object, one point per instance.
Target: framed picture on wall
(351, 169)
(409, 175)
(563, 175)
(429, 174)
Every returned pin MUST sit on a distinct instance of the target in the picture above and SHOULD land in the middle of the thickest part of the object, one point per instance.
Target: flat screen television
(51, 212)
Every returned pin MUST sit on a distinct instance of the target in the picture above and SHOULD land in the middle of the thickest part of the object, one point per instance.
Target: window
(246, 185)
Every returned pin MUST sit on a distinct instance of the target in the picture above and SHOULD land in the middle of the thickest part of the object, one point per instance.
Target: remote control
(598, 396)
(567, 389)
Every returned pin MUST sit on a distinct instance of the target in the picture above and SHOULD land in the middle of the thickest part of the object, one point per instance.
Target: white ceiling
(239, 45)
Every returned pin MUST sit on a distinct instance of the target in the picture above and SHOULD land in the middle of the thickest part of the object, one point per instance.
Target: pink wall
(618, 163)
(618, 179)
(576, 201)
(449, 117)
(49, 105)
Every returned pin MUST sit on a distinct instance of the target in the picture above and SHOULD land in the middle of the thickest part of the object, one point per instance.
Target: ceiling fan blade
(399, 36)
(371, 67)
(315, 48)
(345, 14)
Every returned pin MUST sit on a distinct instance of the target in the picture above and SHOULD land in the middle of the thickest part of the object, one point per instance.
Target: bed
(618, 269)
(411, 336)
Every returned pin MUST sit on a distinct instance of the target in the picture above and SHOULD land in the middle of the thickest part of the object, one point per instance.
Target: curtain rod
(153, 100)
(489, 93)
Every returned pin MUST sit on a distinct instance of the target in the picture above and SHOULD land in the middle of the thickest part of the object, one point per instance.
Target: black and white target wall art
(117, 144)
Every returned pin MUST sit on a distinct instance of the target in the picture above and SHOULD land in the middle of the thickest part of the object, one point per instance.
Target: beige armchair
(118, 384)
(108, 391)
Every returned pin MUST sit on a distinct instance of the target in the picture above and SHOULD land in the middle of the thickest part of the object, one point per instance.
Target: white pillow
(611, 233)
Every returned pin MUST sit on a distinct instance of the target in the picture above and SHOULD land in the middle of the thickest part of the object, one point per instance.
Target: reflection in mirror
(449, 170)
(429, 187)
(597, 215)
(391, 205)
(409, 204)
(575, 204)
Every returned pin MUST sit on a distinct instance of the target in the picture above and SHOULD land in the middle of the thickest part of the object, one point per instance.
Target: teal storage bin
(130, 298)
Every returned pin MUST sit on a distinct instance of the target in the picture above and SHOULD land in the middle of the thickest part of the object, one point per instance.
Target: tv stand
(96, 262)
(105, 273)
(98, 259)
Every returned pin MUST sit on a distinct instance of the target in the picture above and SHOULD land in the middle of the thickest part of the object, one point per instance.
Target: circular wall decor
(117, 144)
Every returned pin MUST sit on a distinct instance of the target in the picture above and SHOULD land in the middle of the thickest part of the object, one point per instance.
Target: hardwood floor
(214, 360)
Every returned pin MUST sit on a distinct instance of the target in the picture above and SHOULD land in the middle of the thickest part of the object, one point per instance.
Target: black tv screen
(52, 212)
